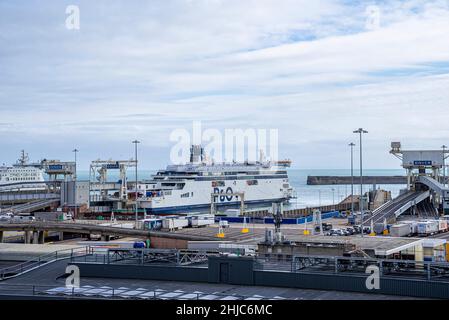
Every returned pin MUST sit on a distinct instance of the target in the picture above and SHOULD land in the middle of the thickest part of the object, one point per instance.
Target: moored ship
(21, 175)
(190, 186)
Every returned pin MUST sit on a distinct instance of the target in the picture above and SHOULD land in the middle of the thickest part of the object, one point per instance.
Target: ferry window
(252, 182)
(218, 183)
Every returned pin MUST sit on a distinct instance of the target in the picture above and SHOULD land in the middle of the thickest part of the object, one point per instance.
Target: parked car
(224, 223)
(4, 217)
(356, 229)
(336, 232)
(350, 230)
(366, 230)
(327, 226)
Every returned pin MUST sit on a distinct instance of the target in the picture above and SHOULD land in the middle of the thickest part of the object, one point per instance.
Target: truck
(232, 212)
(151, 224)
(442, 225)
(400, 230)
(426, 228)
(202, 220)
(175, 223)
(379, 228)
(413, 226)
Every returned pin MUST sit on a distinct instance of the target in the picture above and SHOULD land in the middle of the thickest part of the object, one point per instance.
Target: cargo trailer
(175, 223)
(413, 226)
(202, 220)
(426, 228)
(442, 225)
(400, 230)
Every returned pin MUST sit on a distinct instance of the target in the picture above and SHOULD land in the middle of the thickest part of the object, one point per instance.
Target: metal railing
(144, 256)
(89, 292)
(426, 270)
(16, 270)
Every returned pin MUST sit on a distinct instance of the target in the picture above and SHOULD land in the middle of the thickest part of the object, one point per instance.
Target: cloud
(142, 69)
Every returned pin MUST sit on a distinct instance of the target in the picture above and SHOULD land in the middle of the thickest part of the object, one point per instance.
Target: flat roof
(381, 245)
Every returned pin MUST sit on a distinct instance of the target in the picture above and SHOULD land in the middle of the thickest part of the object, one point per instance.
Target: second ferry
(190, 186)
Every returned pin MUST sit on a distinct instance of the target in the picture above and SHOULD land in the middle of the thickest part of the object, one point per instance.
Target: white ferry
(21, 175)
(189, 187)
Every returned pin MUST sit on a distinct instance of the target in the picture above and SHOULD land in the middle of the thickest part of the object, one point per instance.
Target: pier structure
(34, 233)
(105, 193)
(425, 185)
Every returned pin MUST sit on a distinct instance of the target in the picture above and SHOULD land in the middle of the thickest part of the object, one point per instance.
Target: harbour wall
(331, 180)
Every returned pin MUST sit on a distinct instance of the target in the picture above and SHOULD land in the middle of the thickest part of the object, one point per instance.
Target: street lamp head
(136, 141)
(360, 130)
(352, 144)
(75, 150)
(444, 147)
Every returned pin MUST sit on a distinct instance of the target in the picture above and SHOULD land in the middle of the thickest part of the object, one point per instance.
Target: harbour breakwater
(333, 180)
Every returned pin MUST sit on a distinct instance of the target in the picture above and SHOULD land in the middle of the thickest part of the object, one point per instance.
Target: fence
(146, 256)
(90, 292)
(29, 265)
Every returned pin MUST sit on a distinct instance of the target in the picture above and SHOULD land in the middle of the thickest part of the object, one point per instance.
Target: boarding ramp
(34, 205)
(28, 185)
(396, 207)
(437, 187)
(434, 185)
(23, 197)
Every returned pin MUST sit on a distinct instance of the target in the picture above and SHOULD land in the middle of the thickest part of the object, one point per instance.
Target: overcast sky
(141, 69)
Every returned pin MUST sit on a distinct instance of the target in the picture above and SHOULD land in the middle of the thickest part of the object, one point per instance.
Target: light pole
(360, 131)
(352, 144)
(135, 149)
(75, 151)
(319, 198)
(444, 147)
(333, 198)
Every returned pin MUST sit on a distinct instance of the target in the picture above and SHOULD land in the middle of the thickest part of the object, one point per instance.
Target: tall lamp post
(75, 151)
(360, 131)
(352, 144)
(444, 147)
(333, 198)
(135, 150)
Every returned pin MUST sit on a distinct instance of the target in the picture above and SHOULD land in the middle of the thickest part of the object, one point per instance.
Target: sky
(314, 70)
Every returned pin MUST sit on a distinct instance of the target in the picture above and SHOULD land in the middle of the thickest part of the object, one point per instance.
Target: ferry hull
(206, 206)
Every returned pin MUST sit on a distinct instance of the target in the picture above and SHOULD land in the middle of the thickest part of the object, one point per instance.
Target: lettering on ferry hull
(224, 197)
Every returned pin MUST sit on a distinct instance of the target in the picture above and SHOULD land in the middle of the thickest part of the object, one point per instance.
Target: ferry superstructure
(21, 175)
(189, 186)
